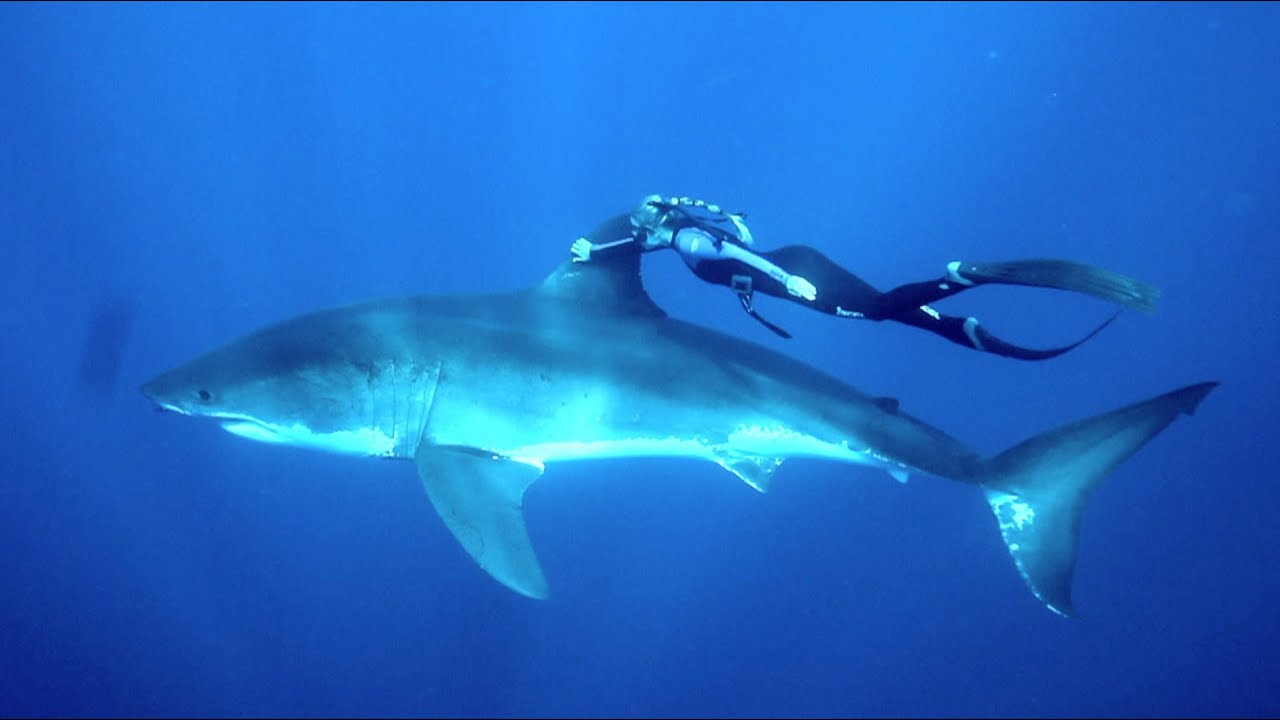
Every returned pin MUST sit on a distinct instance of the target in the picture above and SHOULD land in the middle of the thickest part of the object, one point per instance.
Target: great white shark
(482, 392)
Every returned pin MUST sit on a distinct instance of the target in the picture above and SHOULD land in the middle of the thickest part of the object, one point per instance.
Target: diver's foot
(970, 333)
(953, 274)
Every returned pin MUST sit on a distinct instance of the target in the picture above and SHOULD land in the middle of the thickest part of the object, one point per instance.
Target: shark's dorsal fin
(603, 285)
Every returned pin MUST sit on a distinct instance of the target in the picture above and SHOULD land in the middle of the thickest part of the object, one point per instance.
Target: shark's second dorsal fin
(887, 404)
(607, 284)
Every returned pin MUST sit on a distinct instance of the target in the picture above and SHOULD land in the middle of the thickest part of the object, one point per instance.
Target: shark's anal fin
(480, 499)
(754, 470)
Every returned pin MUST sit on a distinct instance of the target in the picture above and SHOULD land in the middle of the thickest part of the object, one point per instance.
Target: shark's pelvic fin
(480, 498)
(754, 470)
(1038, 488)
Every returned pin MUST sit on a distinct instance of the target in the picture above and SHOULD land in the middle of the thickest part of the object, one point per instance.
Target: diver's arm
(617, 247)
(614, 237)
(794, 284)
(584, 250)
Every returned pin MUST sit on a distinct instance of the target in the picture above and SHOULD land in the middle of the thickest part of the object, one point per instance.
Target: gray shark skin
(483, 391)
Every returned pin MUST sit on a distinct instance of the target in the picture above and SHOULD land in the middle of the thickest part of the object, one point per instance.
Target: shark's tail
(1038, 488)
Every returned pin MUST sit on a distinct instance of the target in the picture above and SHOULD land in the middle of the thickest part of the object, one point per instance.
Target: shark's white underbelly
(756, 442)
(372, 441)
(596, 432)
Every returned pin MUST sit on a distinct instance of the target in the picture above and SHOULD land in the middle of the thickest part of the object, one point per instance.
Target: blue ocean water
(174, 175)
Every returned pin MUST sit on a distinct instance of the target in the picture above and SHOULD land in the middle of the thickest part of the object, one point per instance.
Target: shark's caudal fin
(1038, 488)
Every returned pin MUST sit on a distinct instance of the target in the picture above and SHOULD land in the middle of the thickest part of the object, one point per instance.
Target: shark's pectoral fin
(754, 470)
(480, 499)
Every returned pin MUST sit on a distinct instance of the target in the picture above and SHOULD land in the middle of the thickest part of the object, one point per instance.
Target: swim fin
(1064, 275)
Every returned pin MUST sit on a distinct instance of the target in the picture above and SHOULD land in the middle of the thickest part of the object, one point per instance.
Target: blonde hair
(649, 218)
(652, 220)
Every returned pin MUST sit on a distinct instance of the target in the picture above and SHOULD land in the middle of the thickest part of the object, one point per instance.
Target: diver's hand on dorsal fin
(581, 249)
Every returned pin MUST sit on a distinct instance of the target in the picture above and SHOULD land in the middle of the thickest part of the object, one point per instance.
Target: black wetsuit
(840, 292)
(844, 294)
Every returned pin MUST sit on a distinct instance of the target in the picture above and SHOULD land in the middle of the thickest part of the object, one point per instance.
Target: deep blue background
(174, 175)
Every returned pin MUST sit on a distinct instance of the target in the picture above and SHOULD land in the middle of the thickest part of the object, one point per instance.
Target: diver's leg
(842, 293)
(906, 299)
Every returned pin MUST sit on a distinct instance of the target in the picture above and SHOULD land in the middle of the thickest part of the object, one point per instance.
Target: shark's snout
(154, 390)
(161, 395)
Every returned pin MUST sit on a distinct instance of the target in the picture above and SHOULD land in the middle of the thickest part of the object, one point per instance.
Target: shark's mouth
(251, 429)
(171, 408)
(244, 426)
(353, 441)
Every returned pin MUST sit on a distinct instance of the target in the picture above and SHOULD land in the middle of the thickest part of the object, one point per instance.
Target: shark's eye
(204, 395)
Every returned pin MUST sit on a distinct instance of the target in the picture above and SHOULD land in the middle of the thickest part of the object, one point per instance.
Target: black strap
(716, 224)
(745, 298)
